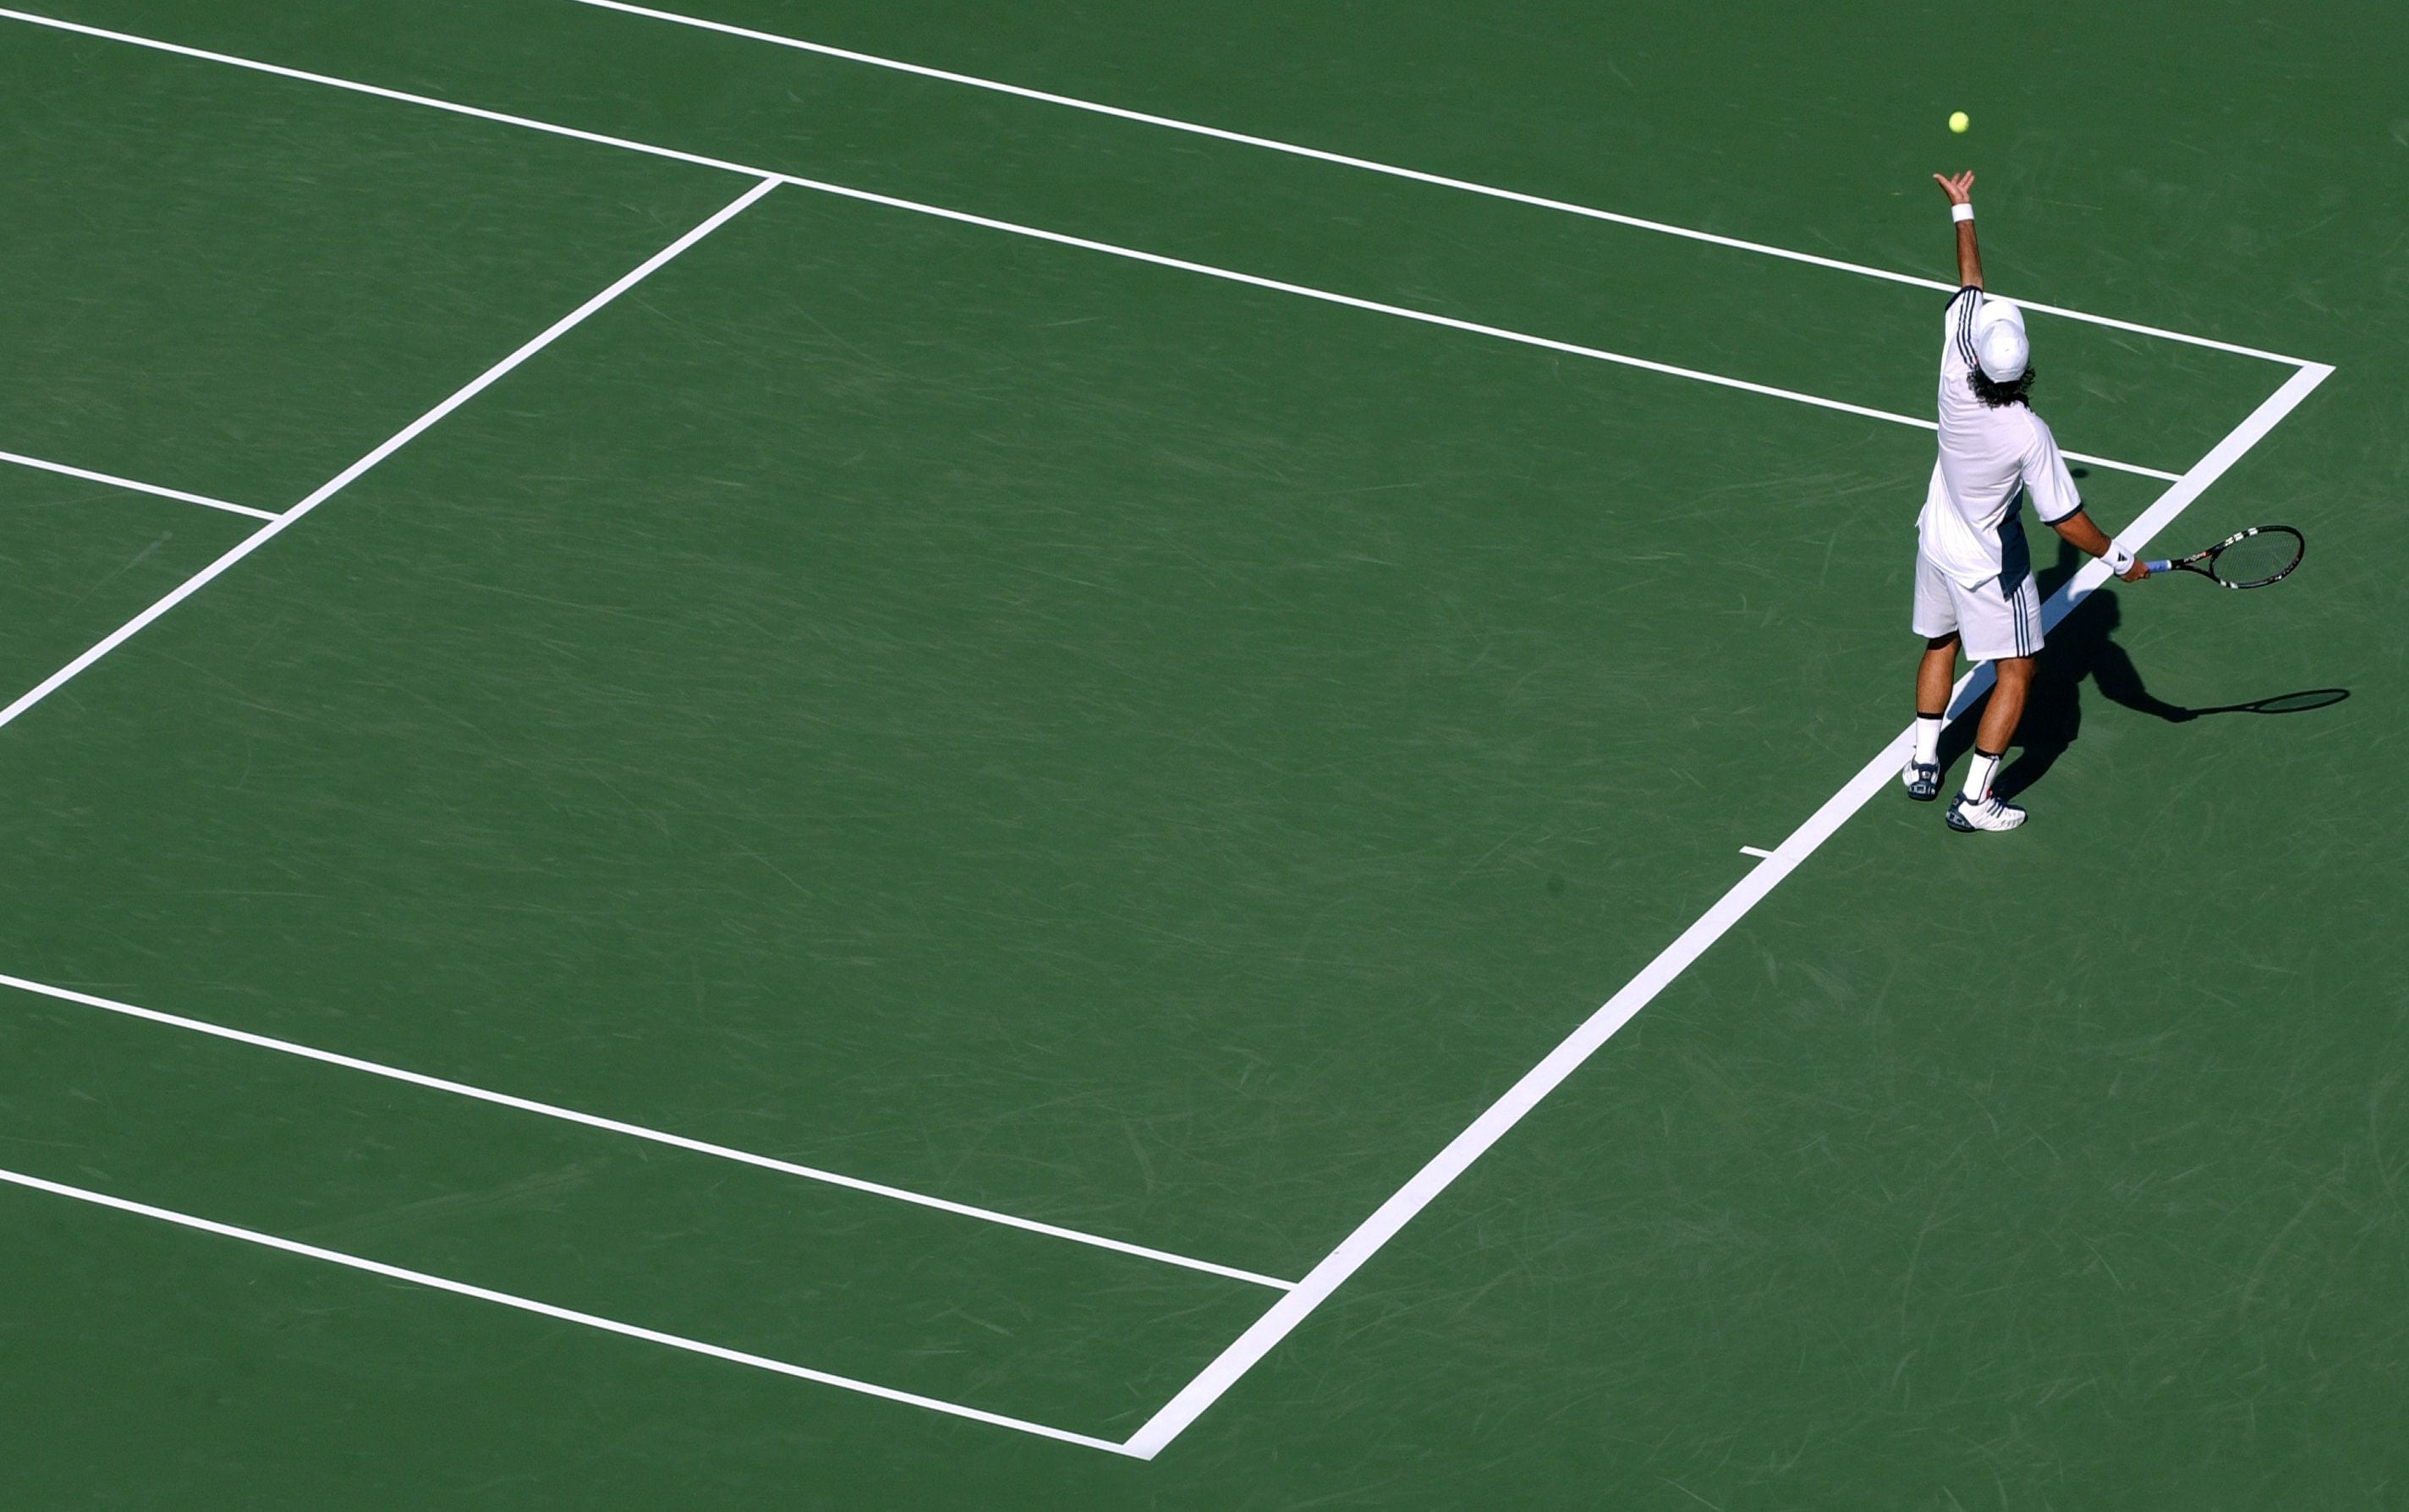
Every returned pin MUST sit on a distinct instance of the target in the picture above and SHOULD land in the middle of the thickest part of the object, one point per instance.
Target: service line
(1876, 777)
(400, 439)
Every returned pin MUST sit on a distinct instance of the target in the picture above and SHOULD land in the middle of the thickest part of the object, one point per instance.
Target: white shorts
(1995, 617)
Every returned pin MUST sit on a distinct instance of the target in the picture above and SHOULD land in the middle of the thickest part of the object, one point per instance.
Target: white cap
(2000, 347)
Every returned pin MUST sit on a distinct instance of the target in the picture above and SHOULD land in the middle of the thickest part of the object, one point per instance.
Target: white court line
(400, 439)
(1875, 777)
(380, 91)
(1038, 233)
(634, 1130)
(545, 1309)
(1393, 171)
(1421, 317)
(114, 481)
(1744, 850)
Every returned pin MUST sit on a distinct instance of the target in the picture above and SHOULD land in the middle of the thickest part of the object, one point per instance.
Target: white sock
(1977, 776)
(1928, 740)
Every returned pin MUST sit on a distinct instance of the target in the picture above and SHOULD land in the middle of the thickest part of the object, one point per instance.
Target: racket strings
(2258, 558)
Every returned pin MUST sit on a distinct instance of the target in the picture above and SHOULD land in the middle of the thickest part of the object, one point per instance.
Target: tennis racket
(2252, 559)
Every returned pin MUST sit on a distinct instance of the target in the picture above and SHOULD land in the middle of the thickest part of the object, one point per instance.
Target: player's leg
(2013, 681)
(1934, 675)
(2002, 621)
(1936, 620)
(1934, 672)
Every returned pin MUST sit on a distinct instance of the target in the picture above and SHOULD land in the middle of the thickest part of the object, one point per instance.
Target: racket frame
(2204, 561)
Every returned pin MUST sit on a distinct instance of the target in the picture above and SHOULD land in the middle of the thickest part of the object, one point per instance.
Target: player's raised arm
(1960, 190)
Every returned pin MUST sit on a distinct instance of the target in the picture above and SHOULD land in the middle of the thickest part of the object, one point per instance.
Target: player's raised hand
(1960, 190)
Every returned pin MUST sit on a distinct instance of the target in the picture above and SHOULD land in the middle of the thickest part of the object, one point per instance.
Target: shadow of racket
(2281, 703)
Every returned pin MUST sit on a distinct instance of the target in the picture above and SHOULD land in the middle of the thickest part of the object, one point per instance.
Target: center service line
(1526, 1094)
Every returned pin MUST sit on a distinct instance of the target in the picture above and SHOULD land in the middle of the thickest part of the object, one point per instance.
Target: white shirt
(1988, 457)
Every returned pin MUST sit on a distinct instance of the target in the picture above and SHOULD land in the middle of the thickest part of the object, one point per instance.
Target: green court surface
(740, 778)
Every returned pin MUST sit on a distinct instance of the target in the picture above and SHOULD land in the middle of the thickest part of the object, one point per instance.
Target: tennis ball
(1957, 122)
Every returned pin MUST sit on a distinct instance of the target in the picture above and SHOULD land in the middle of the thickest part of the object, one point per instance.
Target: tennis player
(1973, 581)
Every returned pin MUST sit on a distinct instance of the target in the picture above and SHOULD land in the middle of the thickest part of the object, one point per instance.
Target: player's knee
(2014, 668)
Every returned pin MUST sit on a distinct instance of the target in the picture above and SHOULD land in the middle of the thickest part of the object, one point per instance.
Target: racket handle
(2156, 566)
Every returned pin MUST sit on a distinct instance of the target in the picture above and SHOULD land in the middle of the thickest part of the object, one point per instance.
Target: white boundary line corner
(1874, 778)
(545, 1309)
(614, 1126)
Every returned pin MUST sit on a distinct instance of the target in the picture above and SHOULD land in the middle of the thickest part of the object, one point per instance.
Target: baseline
(1040, 234)
(1394, 171)
(396, 442)
(616, 1126)
(130, 484)
(1518, 1101)
(545, 1309)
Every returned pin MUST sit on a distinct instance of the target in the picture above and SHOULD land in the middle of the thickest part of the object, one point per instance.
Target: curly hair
(2000, 396)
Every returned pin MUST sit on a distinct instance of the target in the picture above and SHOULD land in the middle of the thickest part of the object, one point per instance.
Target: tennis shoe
(1922, 780)
(1966, 816)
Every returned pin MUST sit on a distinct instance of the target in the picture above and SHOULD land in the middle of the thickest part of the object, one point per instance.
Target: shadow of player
(2083, 649)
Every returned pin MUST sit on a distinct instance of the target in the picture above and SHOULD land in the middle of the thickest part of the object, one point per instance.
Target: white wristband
(2119, 560)
(1963, 211)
